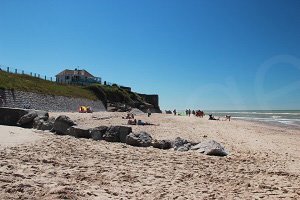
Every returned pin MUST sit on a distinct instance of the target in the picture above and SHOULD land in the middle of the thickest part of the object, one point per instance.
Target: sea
(289, 118)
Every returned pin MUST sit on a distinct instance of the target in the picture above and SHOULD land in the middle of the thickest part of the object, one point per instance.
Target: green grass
(93, 92)
(32, 84)
(115, 94)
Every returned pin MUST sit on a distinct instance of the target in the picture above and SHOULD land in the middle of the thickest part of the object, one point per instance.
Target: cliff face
(120, 99)
(152, 99)
(23, 90)
(21, 99)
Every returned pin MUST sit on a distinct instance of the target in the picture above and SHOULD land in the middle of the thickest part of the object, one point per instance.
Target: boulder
(79, 132)
(141, 139)
(61, 124)
(10, 116)
(42, 114)
(162, 144)
(210, 147)
(117, 134)
(20, 117)
(41, 124)
(179, 142)
(26, 120)
(98, 132)
(185, 147)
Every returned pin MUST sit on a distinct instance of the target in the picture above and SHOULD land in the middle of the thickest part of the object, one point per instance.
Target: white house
(76, 77)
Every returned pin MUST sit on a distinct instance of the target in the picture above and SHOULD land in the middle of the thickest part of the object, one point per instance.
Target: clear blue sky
(210, 54)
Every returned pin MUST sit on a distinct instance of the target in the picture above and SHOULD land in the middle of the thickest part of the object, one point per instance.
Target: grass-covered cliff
(112, 94)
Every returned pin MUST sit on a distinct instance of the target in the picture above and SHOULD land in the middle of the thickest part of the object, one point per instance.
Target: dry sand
(264, 162)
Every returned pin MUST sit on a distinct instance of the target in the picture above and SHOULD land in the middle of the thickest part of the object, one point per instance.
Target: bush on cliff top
(115, 94)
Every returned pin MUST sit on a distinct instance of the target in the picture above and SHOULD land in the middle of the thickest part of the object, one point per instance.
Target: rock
(117, 134)
(47, 125)
(79, 132)
(136, 111)
(210, 147)
(179, 142)
(42, 114)
(185, 147)
(141, 139)
(26, 120)
(98, 132)
(162, 144)
(61, 124)
(10, 116)
(41, 124)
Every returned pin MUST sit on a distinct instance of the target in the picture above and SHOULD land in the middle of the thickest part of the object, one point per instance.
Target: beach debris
(79, 132)
(141, 139)
(162, 144)
(210, 147)
(117, 134)
(61, 124)
(98, 132)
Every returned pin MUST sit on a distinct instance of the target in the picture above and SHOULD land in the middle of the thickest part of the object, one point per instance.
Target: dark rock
(185, 147)
(42, 114)
(117, 134)
(61, 124)
(98, 132)
(19, 117)
(26, 120)
(79, 132)
(210, 147)
(41, 124)
(141, 139)
(162, 144)
(179, 142)
(10, 116)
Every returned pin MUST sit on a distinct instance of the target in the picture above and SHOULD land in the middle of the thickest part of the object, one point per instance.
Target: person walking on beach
(174, 111)
(189, 112)
(149, 112)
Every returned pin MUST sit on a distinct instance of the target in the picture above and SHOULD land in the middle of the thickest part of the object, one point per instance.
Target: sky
(197, 54)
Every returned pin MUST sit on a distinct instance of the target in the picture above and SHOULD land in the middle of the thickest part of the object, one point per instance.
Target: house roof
(75, 72)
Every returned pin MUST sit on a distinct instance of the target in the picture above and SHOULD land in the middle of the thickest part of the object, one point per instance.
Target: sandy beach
(263, 163)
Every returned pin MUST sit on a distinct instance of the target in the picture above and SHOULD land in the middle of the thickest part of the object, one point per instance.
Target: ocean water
(279, 117)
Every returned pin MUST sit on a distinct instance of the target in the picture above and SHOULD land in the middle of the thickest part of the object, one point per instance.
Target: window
(67, 77)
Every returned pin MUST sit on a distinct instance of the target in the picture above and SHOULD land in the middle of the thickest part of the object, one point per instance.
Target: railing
(53, 79)
(23, 72)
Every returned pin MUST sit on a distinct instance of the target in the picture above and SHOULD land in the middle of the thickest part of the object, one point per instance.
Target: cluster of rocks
(63, 125)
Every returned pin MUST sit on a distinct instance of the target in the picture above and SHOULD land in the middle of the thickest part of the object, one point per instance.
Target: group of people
(133, 121)
(200, 113)
(188, 112)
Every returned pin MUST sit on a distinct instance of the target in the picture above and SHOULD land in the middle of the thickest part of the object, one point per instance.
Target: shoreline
(271, 124)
